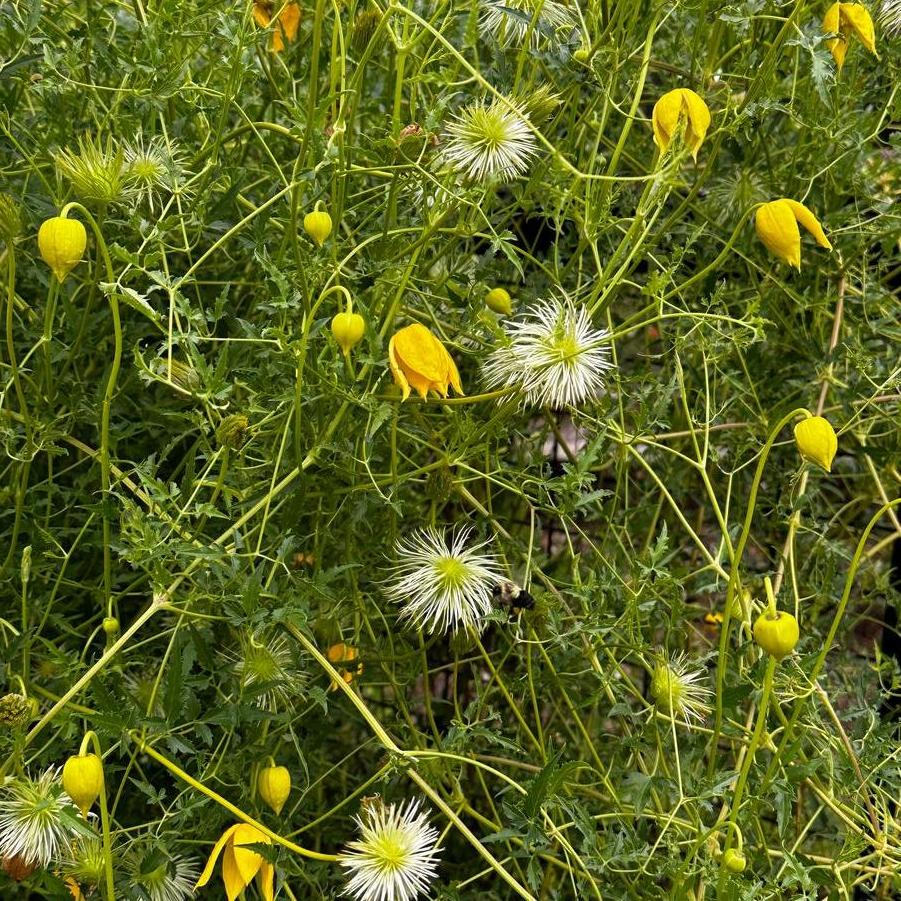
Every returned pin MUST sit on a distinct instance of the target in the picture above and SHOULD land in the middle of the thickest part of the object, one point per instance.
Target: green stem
(733, 587)
(246, 818)
(106, 404)
(830, 638)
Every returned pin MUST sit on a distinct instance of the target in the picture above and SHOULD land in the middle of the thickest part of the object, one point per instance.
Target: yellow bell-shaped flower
(348, 656)
(274, 786)
(240, 864)
(286, 22)
(816, 441)
(348, 329)
(420, 361)
(83, 780)
(318, 225)
(62, 243)
(845, 19)
(776, 223)
(670, 109)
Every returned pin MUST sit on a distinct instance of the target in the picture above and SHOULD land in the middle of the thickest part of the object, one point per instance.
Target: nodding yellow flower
(816, 441)
(318, 225)
(239, 863)
(274, 786)
(342, 653)
(420, 361)
(62, 243)
(83, 780)
(670, 109)
(776, 223)
(845, 19)
(348, 329)
(287, 21)
(498, 300)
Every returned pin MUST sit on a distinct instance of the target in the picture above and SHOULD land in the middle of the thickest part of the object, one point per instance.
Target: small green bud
(232, 431)
(734, 861)
(10, 219)
(15, 711)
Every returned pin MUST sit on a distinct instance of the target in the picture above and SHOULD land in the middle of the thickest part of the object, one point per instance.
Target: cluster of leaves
(619, 516)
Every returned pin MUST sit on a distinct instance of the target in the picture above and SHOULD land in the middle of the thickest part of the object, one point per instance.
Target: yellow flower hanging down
(672, 107)
(344, 656)
(240, 864)
(420, 361)
(287, 21)
(776, 223)
(845, 19)
(816, 441)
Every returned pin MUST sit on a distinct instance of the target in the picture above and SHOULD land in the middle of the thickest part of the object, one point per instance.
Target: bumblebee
(508, 594)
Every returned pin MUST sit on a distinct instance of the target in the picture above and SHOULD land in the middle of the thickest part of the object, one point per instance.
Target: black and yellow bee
(509, 594)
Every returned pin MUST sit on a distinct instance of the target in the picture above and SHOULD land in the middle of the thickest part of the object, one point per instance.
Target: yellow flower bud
(420, 361)
(776, 223)
(318, 225)
(816, 441)
(498, 299)
(83, 780)
(670, 109)
(778, 634)
(845, 19)
(274, 786)
(348, 329)
(62, 243)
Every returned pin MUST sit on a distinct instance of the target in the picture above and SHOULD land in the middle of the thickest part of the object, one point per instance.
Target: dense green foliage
(258, 481)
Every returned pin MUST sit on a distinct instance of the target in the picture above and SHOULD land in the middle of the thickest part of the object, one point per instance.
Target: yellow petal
(453, 375)
(777, 229)
(858, 17)
(261, 14)
(665, 117)
(247, 861)
(420, 384)
(214, 856)
(698, 120)
(231, 876)
(265, 881)
(838, 46)
(289, 21)
(809, 221)
(418, 350)
(399, 377)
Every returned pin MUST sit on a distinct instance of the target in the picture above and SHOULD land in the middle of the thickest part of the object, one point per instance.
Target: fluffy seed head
(489, 141)
(37, 819)
(677, 688)
(553, 357)
(510, 20)
(395, 857)
(442, 584)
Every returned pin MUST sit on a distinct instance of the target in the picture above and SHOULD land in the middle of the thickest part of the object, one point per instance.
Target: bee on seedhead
(509, 594)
